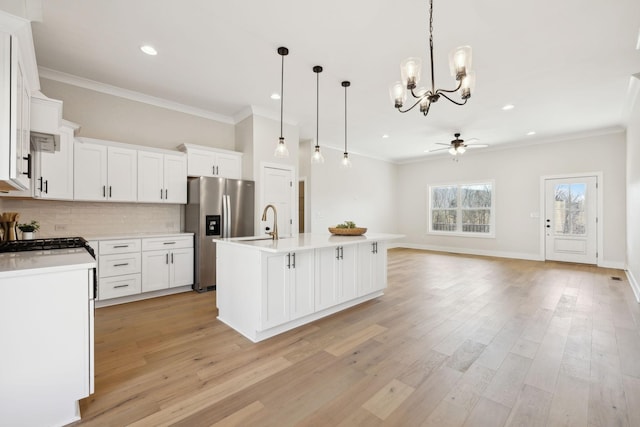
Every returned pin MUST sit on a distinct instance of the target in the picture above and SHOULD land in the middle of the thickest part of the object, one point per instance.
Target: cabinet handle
(104, 191)
(337, 252)
(40, 188)
(289, 260)
(373, 248)
(341, 252)
(169, 243)
(109, 191)
(213, 169)
(120, 286)
(161, 194)
(217, 170)
(166, 194)
(166, 261)
(171, 257)
(294, 260)
(28, 159)
(121, 265)
(120, 246)
(46, 186)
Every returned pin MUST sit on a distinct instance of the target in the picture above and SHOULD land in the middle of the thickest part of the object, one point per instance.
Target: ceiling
(565, 65)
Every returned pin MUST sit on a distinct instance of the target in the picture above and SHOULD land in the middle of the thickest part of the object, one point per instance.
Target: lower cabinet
(167, 269)
(372, 267)
(288, 292)
(335, 279)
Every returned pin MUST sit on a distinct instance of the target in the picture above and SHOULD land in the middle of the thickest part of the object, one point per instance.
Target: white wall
(365, 194)
(633, 198)
(517, 173)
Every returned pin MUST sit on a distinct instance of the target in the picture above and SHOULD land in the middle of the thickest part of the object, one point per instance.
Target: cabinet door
(175, 179)
(228, 165)
(201, 163)
(348, 286)
(301, 288)
(122, 174)
(275, 294)
(326, 283)
(372, 273)
(89, 171)
(54, 177)
(150, 177)
(181, 261)
(155, 270)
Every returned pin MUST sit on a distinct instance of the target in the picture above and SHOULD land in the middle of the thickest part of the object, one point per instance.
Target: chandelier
(460, 65)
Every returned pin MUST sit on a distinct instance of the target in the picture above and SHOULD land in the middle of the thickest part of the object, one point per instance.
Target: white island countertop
(304, 241)
(14, 264)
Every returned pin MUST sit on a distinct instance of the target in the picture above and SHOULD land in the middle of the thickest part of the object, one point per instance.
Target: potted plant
(29, 229)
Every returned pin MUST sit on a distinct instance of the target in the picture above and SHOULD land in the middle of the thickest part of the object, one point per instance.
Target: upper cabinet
(206, 161)
(104, 172)
(162, 177)
(15, 104)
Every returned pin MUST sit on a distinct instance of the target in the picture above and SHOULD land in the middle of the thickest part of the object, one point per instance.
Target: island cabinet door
(302, 290)
(372, 262)
(327, 277)
(275, 290)
(348, 277)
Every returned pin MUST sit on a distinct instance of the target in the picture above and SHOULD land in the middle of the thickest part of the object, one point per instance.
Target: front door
(571, 219)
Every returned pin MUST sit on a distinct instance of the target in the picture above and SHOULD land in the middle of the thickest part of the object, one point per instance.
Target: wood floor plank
(469, 342)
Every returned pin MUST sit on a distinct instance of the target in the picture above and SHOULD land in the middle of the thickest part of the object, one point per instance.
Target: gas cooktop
(46, 244)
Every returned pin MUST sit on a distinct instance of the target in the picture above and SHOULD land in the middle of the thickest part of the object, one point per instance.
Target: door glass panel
(569, 209)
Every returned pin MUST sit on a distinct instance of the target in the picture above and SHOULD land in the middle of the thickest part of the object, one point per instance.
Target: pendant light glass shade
(281, 149)
(346, 162)
(317, 158)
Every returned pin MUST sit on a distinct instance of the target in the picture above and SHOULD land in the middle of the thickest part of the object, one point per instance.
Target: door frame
(599, 212)
(293, 203)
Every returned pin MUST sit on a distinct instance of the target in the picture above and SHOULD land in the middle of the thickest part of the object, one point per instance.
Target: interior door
(278, 191)
(571, 219)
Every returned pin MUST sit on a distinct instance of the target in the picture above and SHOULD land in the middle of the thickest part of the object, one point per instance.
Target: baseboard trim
(612, 264)
(635, 287)
(497, 254)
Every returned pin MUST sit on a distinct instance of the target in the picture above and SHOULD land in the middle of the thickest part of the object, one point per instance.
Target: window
(462, 209)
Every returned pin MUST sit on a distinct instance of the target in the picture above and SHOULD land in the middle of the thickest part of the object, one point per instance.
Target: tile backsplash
(89, 219)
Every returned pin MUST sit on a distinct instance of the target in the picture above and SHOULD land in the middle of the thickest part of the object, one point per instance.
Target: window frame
(460, 209)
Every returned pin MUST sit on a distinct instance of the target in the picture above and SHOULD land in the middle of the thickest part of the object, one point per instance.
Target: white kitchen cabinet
(53, 170)
(162, 178)
(372, 262)
(336, 269)
(119, 268)
(15, 106)
(288, 293)
(167, 262)
(104, 172)
(206, 161)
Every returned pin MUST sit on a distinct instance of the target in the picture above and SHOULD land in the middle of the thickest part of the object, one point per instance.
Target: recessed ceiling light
(275, 96)
(149, 50)
(385, 136)
(508, 107)
(532, 132)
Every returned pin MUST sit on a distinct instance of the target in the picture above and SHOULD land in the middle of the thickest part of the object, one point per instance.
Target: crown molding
(70, 79)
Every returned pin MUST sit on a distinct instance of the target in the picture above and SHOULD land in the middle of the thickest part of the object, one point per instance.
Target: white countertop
(14, 264)
(136, 236)
(304, 241)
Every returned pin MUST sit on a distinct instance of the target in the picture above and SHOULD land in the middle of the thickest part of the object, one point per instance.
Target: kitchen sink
(255, 239)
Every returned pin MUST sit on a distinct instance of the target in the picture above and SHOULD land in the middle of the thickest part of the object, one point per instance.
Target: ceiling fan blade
(476, 145)
(472, 140)
(437, 149)
(442, 143)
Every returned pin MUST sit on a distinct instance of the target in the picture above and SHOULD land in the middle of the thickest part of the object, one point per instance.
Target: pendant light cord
(345, 119)
(317, 108)
(281, 95)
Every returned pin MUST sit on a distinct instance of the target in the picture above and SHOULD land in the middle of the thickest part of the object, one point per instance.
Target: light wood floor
(456, 340)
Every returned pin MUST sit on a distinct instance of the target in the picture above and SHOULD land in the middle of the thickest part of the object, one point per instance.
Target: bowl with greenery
(347, 228)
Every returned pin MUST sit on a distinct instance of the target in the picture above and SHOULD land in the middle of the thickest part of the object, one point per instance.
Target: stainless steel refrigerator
(216, 208)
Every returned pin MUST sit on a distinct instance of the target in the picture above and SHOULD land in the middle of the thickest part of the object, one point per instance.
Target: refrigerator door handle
(229, 215)
(224, 216)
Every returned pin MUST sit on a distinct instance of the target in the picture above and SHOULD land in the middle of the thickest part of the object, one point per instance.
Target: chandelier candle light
(346, 163)
(317, 156)
(460, 65)
(281, 149)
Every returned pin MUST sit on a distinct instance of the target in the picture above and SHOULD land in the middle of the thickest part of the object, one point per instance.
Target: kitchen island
(266, 287)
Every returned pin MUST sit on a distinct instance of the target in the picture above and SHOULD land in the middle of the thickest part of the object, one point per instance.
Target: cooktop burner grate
(46, 244)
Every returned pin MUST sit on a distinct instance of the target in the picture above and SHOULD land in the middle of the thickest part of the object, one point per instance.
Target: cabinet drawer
(114, 287)
(108, 247)
(118, 264)
(167, 243)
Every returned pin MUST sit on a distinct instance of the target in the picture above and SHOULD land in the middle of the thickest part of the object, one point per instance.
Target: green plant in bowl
(32, 227)
(347, 224)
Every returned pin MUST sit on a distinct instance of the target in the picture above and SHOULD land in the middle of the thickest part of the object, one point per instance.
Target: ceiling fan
(458, 146)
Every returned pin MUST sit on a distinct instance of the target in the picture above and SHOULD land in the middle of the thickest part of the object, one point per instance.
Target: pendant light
(346, 163)
(281, 149)
(317, 156)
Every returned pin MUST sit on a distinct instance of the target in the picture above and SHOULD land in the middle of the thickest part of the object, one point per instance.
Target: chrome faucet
(274, 233)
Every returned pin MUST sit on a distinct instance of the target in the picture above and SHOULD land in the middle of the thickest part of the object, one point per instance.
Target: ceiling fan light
(398, 94)
(461, 149)
(410, 72)
(453, 151)
(460, 61)
(468, 85)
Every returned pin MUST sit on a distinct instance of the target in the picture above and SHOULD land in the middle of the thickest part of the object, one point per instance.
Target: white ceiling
(565, 65)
